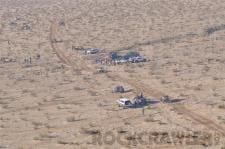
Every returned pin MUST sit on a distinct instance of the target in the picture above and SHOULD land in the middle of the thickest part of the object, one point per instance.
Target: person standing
(143, 111)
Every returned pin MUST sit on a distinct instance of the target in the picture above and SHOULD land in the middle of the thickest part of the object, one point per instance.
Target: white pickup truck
(138, 101)
(124, 102)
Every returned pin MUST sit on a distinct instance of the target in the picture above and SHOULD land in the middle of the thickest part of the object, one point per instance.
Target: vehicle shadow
(128, 91)
(156, 101)
(148, 102)
(176, 100)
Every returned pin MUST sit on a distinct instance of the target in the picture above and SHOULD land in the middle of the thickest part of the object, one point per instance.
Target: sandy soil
(59, 101)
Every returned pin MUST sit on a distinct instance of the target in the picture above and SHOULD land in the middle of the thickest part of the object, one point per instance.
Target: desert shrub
(71, 119)
(90, 131)
(149, 119)
(92, 93)
(77, 88)
(221, 106)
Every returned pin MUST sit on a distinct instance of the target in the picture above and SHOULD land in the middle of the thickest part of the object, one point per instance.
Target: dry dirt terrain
(52, 98)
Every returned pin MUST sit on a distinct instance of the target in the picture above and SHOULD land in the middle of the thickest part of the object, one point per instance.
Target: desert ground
(52, 96)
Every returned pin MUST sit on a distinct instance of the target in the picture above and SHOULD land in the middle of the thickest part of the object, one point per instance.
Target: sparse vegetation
(52, 96)
(221, 106)
(90, 131)
(78, 88)
(45, 136)
(149, 119)
(71, 119)
(64, 142)
(92, 93)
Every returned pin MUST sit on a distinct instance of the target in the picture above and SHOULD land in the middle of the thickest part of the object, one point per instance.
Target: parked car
(131, 55)
(92, 51)
(121, 61)
(101, 70)
(165, 99)
(119, 89)
(137, 59)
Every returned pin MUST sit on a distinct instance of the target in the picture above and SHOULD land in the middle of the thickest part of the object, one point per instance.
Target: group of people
(29, 60)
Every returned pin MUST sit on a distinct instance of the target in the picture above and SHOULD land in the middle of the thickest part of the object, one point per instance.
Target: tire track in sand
(59, 54)
(200, 119)
(67, 59)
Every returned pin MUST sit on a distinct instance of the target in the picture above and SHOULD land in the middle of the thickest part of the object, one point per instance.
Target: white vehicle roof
(124, 99)
(92, 49)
